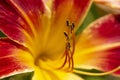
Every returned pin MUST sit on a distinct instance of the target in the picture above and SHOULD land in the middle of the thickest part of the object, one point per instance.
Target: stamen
(97, 74)
(70, 46)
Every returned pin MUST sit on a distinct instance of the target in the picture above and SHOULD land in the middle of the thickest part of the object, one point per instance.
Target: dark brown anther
(67, 23)
(73, 25)
(70, 26)
(66, 35)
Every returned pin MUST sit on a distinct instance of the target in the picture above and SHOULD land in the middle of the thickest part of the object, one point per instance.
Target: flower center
(70, 47)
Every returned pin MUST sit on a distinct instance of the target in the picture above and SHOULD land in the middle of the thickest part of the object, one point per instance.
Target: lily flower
(40, 37)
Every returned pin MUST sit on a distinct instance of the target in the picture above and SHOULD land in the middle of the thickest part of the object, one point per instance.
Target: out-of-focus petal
(109, 5)
(99, 44)
(13, 59)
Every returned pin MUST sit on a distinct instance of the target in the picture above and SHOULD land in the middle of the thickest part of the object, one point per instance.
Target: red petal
(31, 9)
(99, 44)
(10, 61)
(109, 61)
(12, 24)
(15, 24)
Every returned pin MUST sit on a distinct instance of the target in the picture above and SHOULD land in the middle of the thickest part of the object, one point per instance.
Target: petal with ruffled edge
(99, 44)
(13, 60)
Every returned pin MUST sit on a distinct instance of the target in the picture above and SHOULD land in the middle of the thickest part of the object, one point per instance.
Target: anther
(66, 35)
(68, 46)
(67, 23)
(72, 27)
